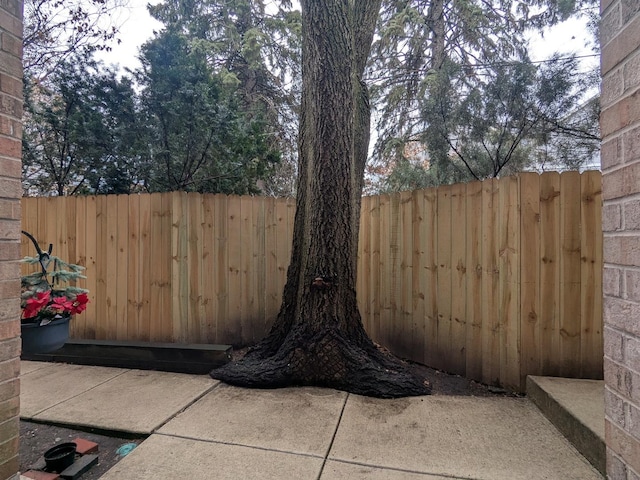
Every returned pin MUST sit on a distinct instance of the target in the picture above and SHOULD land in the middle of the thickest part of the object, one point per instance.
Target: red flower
(79, 305)
(61, 304)
(35, 304)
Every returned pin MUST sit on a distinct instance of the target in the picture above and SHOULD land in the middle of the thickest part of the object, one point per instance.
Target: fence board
(550, 272)
(145, 260)
(474, 299)
(570, 272)
(431, 276)
(418, 278)
(530, 275)
(443, 218)
(490, 284)
(591, 347)
(374, 269)
(132, 302)
(458, 241)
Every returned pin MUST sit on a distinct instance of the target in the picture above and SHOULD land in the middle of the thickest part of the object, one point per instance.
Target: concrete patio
(199, 428)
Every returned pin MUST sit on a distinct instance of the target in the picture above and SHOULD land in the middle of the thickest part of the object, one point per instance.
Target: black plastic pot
(60, 457)
(38, 338)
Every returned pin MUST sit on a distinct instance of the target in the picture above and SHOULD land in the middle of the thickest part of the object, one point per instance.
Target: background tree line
(215, 104)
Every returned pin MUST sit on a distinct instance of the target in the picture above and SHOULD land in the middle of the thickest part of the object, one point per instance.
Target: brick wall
(620, 124)
(10, 192)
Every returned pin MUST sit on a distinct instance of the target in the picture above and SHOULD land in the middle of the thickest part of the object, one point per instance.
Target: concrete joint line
(210, 389)
(333, 437)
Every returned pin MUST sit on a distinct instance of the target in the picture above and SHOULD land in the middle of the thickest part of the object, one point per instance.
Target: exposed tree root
(324, 359)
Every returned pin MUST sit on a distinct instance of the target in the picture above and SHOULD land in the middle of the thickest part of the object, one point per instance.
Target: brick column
(10, 193)
(620, 124)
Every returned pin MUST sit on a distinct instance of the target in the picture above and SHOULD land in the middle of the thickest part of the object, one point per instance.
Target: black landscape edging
(168, 357)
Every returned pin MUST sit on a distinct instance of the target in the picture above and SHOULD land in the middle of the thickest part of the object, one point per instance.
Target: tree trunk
(318, 337)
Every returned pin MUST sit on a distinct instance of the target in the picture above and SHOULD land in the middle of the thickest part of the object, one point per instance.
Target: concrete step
(576, 408)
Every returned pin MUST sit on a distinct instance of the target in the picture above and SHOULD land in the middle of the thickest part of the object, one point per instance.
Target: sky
(138, 26)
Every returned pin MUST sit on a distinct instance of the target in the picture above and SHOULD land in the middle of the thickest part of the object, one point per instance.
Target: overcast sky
(138, 26)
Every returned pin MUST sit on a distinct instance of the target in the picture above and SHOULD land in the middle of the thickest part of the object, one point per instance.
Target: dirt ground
(36, 438)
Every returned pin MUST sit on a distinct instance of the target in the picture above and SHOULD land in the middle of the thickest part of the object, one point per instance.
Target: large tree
(318, 337)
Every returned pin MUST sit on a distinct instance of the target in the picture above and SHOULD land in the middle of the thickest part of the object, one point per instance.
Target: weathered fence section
(493, 280)
(171, 267)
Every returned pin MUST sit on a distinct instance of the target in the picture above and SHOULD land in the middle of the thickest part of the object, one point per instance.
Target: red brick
(611, 217)
(613, 344)
(11, 347)
(11, 44)
(625, 446)
(9, 389)
(9, 467)
(11, 23)
(9, 329)
(11, 147)
(632, 73)
(9, 229)
(10, 368)
(621, 114)
(37, 475)
(10, 127)
(8, 250)
(622, 314)
(616, 469)
(612, 88)
(622, 45)
(9, 310)
(611, 153)
(10, 85)
(622, 250)
(8, 105)
(610, 24)
(622, 182)
(85, 446)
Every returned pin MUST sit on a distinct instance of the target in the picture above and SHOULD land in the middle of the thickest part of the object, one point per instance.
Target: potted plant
(48, 301)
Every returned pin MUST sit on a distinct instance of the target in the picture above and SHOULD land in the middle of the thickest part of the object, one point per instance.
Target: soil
(36, 438)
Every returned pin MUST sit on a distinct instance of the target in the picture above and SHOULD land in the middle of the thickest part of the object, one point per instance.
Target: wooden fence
(493, 280)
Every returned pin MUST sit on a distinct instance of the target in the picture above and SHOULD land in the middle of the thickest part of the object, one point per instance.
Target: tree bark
(318, 337)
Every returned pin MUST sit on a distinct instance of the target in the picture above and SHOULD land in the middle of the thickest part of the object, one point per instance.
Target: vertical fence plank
(474, 299)
(91, 254)
(100, 324)
(443, 218)
(77, 327)
(132, 254)
(490, 284)
(570, 273)
(179, 267)
(374, 269)
(430, 273)
(121, 279)
(198, 328)
(283, 244)
(155, 268)
(393, 335)
(418, 278)
(145, 260)
(247, 280)
(384, 288)
(224, 325)
(405, 276)
(364, 262)
(257, 272)
(530, 361)
(208, 327)
(509, 266)
(591, 347)
(458, 279)
(272, 287)
(234, 248)
(550, 272)
(111, 326)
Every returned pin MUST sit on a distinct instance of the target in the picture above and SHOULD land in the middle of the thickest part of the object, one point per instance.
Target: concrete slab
(469, 437)
(576, 408)
(339, 471)
(162, 456)
(28, 367)
(297, 420)
(44, 388)
(137, 401)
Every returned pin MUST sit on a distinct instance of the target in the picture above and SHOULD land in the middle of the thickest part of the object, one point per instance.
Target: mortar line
(333, 437)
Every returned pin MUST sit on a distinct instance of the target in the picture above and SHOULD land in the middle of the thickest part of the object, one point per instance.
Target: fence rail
(493, 280)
